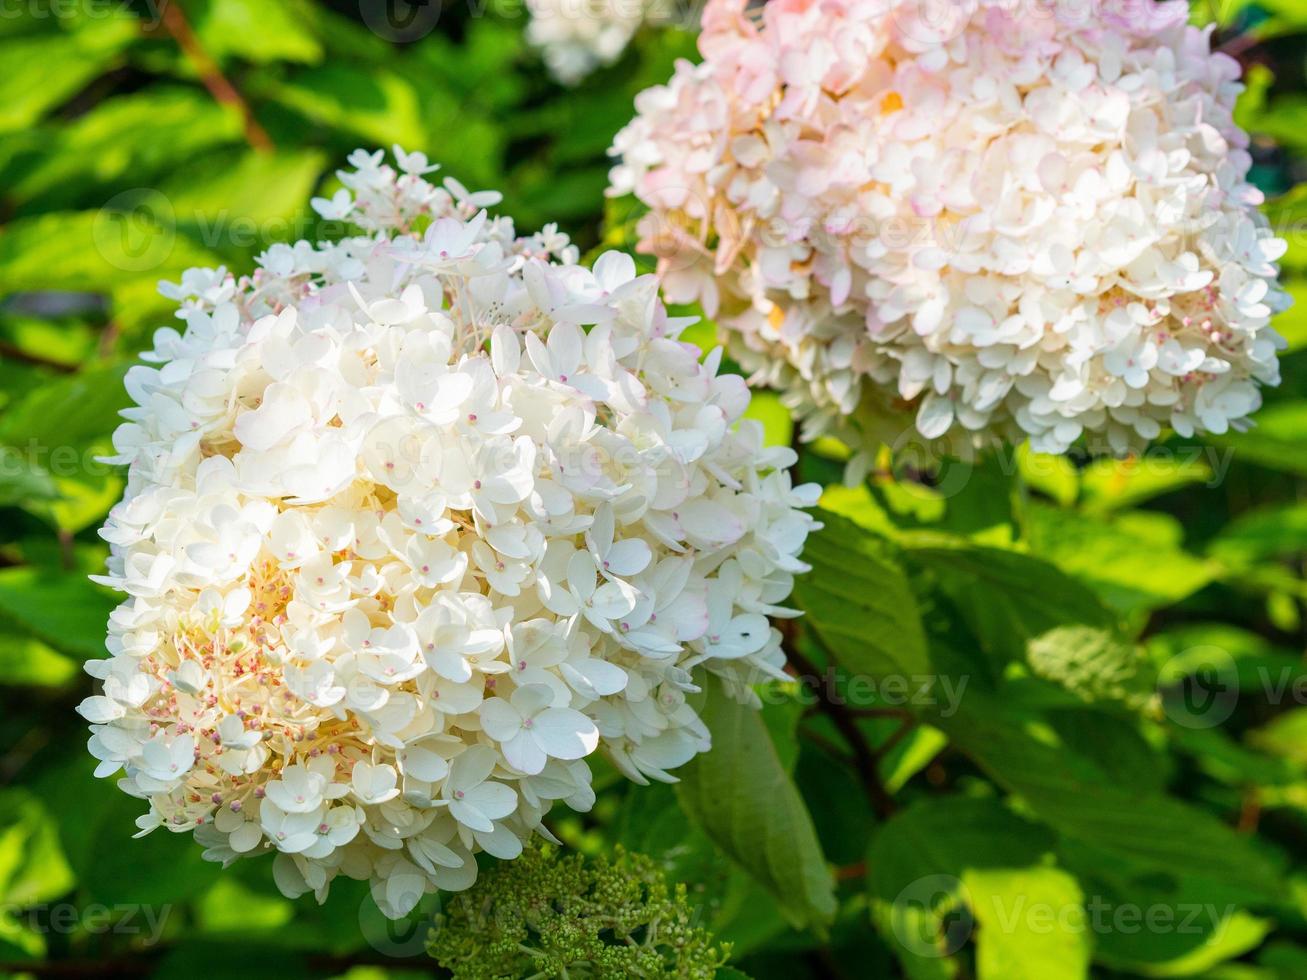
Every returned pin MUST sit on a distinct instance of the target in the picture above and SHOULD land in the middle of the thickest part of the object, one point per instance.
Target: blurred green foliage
(1057, 718)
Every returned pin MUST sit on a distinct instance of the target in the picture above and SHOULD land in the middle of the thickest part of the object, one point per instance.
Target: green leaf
(1007, 598)
(740, 794)
(230, 907)
(765, 407)
(32, 864)
(858, 601)
(1119, 745)
(1270, 533)
(257, 30)
(240, 201)
(1094, 666)
(1288, 961)
(1245, 661)
(44, 70)
(1085, 804)
(71, 412)
(1115, 484)
(1284, 736)
(134, 236)
(1031, 924)
(1150, 924)
(941, 855)
(377, 105)
(63, 609)
(25, 662)
(859, 506)
(22, 481)
(913, 754)
(1232, 936)
(1054, 476)
(134, 137)
(1134, 562)
(83, 500)
(1278, 439)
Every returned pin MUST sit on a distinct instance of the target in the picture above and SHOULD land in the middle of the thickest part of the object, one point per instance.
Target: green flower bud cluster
(573, 917)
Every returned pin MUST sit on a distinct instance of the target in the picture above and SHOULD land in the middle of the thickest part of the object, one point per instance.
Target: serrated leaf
(1094, 665)
(1083, 803)
(1007, 598)
(740, 794)
(1134, 562)
(858, 601)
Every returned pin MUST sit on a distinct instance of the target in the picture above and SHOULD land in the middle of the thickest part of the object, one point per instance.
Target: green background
(1120, 787)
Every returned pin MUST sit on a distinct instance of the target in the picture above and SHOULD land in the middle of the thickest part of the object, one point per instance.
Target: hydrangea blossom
(578, 36)
(415, 522)
(1008, 219)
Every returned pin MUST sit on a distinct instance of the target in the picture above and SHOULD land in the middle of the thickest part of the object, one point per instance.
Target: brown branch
(175, 23)
(1250, 812)
(851, 872)
(864, 759)
(900, 733)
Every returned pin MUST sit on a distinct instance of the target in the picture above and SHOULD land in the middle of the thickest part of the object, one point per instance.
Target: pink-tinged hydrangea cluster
(576, 37)
(416, 522)
(1009, 219)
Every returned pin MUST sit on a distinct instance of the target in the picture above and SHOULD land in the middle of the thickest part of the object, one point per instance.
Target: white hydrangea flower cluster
(1009, 219)
(404, 542)
(576, 37)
